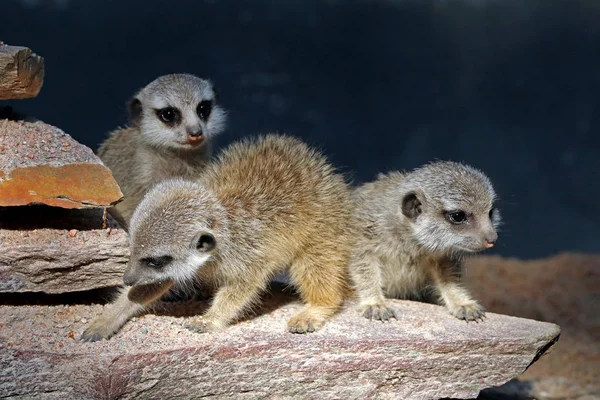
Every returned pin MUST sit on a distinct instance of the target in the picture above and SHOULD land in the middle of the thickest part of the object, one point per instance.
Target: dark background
(511, 87)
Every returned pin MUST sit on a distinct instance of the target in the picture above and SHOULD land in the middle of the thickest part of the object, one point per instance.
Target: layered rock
(21, 72)
(41, 164)
(427, 354)
(53, 250)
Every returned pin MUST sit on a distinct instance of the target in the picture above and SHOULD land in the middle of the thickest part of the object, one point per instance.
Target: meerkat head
(172, 234)
(451, 208)
(177, 111)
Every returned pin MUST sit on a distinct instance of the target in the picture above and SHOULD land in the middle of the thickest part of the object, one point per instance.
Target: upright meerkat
(264, 206)
(173, 120)
(414, 230)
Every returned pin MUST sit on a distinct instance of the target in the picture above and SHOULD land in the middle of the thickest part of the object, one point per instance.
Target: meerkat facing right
(263, 206)
(173, 121)
(415, 228)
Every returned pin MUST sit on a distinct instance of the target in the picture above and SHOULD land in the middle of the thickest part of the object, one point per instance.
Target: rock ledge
(426, 355)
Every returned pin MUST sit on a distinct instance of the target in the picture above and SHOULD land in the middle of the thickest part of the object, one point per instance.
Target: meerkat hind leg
(320, 281)
(366, 276)
(457, 299)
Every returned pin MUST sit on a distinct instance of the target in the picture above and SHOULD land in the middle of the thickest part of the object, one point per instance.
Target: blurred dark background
(511, 87)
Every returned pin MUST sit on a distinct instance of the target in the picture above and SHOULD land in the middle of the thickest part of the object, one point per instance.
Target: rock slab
(427, 354)
(54, 250)
(21, 72)
(41, 164)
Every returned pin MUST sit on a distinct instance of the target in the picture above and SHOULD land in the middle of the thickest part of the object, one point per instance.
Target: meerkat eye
(456, 217)
(156, 262)
(206, 242)
(204, 109)
(168, 115)
(492, 213)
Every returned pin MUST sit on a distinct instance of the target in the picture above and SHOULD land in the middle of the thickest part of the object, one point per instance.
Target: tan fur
(408, 256)
(271, 204)
(151, 151)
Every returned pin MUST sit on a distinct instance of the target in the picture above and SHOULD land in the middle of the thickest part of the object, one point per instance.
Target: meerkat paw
(471, 311)
(379, 312)
(202, 325)
(98, 330)
(304, 322)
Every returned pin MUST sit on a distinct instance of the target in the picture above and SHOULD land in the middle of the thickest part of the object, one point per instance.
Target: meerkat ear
(134, 107)
(205, 242)
(412, 206)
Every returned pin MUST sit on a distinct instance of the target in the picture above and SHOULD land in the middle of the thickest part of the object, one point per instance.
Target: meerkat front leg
(456, 298)
(365, 272)
(229, 302)
(129, 303)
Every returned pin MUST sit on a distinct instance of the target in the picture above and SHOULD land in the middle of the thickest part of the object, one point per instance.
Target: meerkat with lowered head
(263, 206)
(173, 120)
(414, 230)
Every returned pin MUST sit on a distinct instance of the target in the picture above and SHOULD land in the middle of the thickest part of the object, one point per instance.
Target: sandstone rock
(21, 72)
(53, 250)
(427, 354)
(41, 164)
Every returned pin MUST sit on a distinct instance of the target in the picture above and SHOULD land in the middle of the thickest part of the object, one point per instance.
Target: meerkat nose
(195, 132)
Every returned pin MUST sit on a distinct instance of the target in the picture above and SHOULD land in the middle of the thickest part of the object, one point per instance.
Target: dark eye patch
(204, 109)
(170, 116)
(156, 262)
(456, 217)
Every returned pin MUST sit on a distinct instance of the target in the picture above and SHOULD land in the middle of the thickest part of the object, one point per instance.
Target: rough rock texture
(21, 72)
(53, 250)
(41, 164)
(564, 289)
(427, 354)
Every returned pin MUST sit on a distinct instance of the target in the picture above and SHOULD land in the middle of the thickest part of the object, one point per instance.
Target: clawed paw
(200, 325)
(303, 323)
(95, 332)
(469, 312)
(379, 312)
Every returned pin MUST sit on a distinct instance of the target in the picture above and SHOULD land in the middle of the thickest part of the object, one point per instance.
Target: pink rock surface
(427, 354)
(41, 164)
(53, 250)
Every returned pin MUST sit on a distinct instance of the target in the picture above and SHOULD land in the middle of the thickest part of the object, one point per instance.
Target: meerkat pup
(173, 120)
(414, 230)
(264, 206)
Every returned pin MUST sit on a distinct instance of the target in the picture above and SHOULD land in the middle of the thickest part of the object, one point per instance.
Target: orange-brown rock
(41, 164)
(21, 72)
